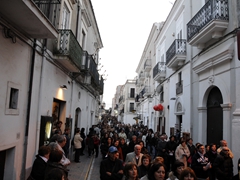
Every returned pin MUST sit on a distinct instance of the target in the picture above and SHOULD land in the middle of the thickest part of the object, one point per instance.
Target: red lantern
(160, 107)
(155, 108)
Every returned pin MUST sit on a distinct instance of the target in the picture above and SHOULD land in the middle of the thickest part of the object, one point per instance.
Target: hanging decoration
(158, 107)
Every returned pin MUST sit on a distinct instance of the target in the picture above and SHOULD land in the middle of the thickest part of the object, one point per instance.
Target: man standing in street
(111, 168)
(223, 165)
(200, 163)
(135, 156)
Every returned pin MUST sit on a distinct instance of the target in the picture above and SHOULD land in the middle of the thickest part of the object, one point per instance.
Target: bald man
(135, 156)
(223, 143)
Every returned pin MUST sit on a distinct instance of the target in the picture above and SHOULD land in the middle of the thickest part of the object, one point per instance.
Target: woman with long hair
(105, 147)
(124, 147)
(117, 145)
(130, 171)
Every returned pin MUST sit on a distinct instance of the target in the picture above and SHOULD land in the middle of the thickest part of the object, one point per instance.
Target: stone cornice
(209, 63)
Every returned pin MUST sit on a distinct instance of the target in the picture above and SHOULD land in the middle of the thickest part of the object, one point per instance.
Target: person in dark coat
(54, 162)
(83, 136)
(132, 144)
(104, 147)
(111, 168)
(191, 148)
(145, 166)
(223, 165)
(40, 163)
(170, 150)
(212, 155)
(124, 147)
(200, 163)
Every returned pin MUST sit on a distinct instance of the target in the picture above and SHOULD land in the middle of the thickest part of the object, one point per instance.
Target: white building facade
(49, 73)
(196, 70)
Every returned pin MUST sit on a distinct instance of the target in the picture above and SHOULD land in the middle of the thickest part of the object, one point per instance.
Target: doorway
(58, 113)
(77, 122)
(214, 116)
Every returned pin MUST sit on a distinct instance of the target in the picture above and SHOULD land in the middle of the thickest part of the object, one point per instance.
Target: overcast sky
(124, 27)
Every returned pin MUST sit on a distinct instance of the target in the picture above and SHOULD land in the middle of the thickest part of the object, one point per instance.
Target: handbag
(189, 160)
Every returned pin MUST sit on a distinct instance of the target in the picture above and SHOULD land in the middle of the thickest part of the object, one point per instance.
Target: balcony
(137, 83)
(92, 70)
(147, 65)
(101, 85)
(68, 52)
(29, 19)
(179, 88)
(142, 76)
(209, 23)
(176, 54)
(147, 91)
(159, 71)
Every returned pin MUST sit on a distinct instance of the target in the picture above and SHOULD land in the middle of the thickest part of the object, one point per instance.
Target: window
(132, 93)
(13, 98)
(131, 107)
(180, 77)
(83, 38)
(12, 101)
(65, 17)
(162, 97)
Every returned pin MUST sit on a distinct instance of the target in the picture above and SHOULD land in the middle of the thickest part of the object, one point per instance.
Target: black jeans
(77, 154)
(96, 148)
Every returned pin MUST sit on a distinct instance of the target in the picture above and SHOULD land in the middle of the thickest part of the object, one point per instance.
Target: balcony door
(65, 17)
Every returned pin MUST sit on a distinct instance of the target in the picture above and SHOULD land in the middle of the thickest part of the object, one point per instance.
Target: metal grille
(158, 68)
(212, 10)
(67, 45)
(178, 47)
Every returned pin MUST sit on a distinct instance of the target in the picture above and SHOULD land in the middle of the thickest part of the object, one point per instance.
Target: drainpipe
(78, 16)
(28, 110)
(40, 96)
(191, 74)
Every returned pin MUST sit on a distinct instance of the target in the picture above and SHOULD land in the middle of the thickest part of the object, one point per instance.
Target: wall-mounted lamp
(63, 87)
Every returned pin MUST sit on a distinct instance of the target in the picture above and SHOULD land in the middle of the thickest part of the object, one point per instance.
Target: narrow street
(87, 169)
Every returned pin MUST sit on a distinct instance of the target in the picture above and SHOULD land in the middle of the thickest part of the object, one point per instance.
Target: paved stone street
(87, 169)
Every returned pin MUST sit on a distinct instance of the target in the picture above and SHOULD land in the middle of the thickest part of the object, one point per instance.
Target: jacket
(38, 168)
(131, 157)
(223, 167)
(113, 167)
(77, 141)
(198, 163)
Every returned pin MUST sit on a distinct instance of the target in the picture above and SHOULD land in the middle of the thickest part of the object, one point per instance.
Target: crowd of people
(134, 153)
(148, 155)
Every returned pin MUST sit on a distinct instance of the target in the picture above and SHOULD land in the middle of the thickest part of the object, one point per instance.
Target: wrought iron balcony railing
(212, 10)
(67, 45)
(178, 47)
(101, 85)
(51, 9)
(160, 67)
